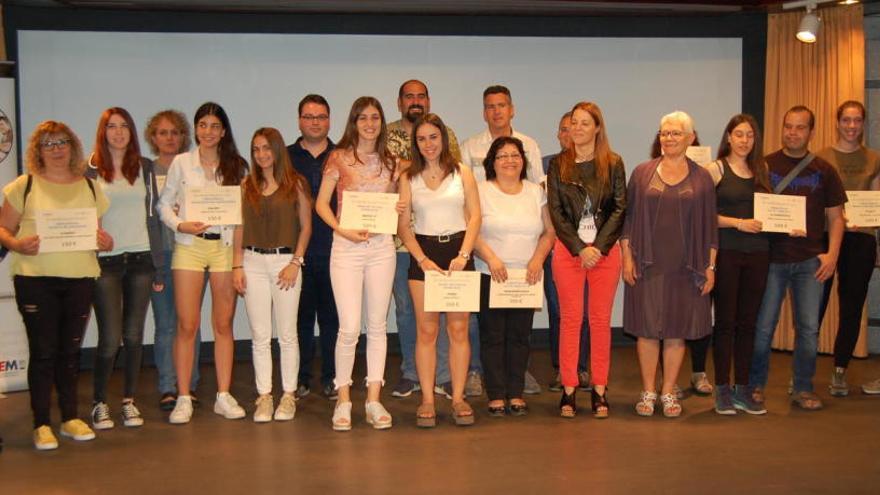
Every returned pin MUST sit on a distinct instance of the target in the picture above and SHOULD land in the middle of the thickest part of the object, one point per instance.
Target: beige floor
(788, 451)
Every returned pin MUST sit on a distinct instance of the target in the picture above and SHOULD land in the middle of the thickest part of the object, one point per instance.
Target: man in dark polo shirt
(316, 300)
(800, 260)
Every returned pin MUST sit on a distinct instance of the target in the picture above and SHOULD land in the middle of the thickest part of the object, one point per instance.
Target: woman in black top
(742, 263)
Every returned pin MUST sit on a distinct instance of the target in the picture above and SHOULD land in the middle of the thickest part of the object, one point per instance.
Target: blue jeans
(406, 328)
(165, 321)
(553, 318)
(316, 302)
(806, 296)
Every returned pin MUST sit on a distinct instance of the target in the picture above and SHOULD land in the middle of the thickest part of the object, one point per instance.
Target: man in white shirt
(498, 111)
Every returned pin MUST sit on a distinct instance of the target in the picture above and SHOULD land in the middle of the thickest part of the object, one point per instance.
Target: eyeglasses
(319, 118)
(506, 156)
(51, 145)
(671, 134)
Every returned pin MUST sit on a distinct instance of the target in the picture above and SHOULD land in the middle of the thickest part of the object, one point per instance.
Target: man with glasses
(413, 101)
(307, 155)
(498, 111)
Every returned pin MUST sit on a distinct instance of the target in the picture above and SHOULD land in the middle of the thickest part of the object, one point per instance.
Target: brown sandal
(426, 417)
(462, 414)
(808, 401)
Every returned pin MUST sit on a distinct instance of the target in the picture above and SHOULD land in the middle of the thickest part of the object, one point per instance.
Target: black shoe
(568, 400)
(599, 404)
(329, 392)
(556, 384)
(168, 401)
(519, 409)
(302, 390)
(497, 411)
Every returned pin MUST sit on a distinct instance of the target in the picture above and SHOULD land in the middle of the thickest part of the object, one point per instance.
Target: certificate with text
(214, 205)
(374, 212)
(699, 154)
(68, 229)
(781, 212)
(863, 208)
(515, 292)
(452, 291)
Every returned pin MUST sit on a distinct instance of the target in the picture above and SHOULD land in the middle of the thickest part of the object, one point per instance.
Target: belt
(442, 238)
(209, 236)
(278, 250)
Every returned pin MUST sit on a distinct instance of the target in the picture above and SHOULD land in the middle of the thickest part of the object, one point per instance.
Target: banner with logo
(13, 340)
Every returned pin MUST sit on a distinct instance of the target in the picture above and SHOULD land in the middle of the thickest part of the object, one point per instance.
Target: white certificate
(700, 154)
(69, 229)
(370, 211)
(214, 205)
(516, 292)
(863, 208)
(452, 291)
(781, 212)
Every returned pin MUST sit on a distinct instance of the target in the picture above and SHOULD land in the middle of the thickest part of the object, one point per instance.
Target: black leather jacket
(566, 200)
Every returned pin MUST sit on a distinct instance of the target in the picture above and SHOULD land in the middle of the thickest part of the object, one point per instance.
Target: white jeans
(362, 272)
(262, 297)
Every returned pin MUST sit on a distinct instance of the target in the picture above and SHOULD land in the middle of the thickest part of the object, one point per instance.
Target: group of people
(679, 234)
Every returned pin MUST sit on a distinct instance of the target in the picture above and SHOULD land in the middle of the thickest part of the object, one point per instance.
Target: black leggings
(504, 346)
(858, 253)
(55, 311)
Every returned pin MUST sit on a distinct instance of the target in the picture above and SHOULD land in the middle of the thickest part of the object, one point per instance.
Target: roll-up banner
(13, 341)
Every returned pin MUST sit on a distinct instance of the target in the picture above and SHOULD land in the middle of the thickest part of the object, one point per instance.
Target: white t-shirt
(512, 223)
(126, 220)
(440, 211)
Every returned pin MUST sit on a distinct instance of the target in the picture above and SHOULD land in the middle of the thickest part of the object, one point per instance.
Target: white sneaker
(183, 410)
(131, 416)
(263, 414)
(377, 415)
(101, 416)
(286, 408)
(225, 405)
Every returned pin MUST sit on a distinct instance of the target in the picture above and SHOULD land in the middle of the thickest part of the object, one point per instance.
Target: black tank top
(736, 198)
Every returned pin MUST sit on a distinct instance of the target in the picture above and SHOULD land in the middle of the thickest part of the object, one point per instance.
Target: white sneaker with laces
(101, 417)
(286, 408)
(263, 413)
(183, 411)
(225, 405)
(131, 416)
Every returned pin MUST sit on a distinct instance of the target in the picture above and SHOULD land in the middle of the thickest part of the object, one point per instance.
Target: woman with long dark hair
(586, 188)
(742, 261)
(269, 250)
(131, 270)
(199, 247)
(361, 263)
(442, 197)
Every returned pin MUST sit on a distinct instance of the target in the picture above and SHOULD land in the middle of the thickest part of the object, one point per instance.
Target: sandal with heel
(599, 404)
(568, 405)
(645, 405)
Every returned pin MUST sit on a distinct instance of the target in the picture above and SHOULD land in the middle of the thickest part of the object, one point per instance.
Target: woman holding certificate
(515, 237)
(743, 261)
(859, 168)
(442, 197)
(268, 254)
(54, 271)
(586, 187)
(132, 269)
(361, 263)
(201, 245)
(668, 257)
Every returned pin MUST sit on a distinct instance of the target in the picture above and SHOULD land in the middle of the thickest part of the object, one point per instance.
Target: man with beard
(413, 102)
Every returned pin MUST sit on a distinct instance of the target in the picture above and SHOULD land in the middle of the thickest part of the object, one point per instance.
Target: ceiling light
(809, 28)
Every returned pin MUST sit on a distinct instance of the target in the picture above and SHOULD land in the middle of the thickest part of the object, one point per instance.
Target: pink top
(368, 175)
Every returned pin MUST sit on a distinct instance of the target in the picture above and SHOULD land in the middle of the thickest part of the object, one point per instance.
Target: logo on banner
(13, 365)
(6, 137)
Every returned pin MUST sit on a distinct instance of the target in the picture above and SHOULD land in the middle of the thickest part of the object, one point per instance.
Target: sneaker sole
(231, 416)
(263, 420)
(838, 392)
(49, 446)
(284, 418)
(726, 412)
(179, 421)
(103, 426)
(870, 392)
(133, 423)
(78, 438)
(401, 395)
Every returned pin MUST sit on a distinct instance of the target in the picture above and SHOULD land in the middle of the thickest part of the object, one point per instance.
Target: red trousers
(601, 282)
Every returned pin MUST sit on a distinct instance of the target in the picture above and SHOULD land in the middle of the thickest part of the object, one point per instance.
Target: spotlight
(809, 27)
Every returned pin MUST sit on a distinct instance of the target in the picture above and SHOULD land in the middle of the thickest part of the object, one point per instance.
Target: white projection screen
(259, 78)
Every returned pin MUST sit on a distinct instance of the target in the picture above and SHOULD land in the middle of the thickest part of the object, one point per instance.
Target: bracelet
(419, 262)
(237, 266)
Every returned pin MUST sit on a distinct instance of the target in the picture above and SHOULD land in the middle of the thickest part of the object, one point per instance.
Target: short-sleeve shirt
(126, 221)
(45, 195)
(368, 175)
(857, 170)
(511, 223)
(821, 185)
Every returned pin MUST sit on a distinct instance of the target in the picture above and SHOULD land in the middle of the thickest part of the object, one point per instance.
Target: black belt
(209, 236)
(278, 250)
(443, 238)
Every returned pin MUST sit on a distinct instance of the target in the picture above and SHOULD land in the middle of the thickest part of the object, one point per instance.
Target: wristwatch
(711, 267)
(298, 260)
(463, 255)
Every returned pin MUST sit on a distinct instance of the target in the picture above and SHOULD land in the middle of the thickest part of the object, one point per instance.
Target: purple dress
(665, 302)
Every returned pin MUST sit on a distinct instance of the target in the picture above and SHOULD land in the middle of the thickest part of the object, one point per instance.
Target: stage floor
(836, 450)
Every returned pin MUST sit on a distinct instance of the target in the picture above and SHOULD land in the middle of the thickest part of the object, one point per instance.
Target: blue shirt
(312, 169)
